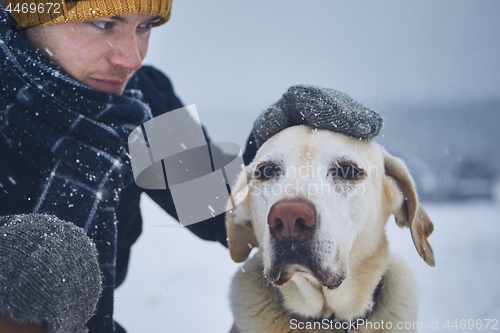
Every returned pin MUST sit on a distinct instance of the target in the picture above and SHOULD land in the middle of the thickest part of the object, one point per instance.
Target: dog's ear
(400, 191)
(241, 237)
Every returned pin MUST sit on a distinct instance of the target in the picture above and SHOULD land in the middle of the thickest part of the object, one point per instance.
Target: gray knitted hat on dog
(319, 108)
(48, 273)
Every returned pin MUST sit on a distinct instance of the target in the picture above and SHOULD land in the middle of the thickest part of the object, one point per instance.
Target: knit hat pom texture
(49, 273)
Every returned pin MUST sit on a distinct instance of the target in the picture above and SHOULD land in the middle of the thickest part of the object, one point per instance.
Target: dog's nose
(292, 218)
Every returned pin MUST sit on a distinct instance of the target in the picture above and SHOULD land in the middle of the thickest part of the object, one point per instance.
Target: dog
(316, 206)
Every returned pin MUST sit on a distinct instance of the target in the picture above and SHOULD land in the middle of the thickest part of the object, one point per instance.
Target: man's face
(102, 54)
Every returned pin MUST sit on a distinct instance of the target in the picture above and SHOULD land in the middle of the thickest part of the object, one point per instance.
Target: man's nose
(126, 52)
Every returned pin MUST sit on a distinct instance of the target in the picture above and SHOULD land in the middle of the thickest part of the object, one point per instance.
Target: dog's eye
(347, 171)
(267, 171)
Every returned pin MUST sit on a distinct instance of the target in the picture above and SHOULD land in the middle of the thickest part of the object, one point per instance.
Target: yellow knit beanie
(30, 13)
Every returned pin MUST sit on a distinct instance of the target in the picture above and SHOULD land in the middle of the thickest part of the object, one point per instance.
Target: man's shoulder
(153, 75)
(157, 90)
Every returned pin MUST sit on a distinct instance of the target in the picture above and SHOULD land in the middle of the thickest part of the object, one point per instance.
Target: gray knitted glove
(48, 273)
(319, 108)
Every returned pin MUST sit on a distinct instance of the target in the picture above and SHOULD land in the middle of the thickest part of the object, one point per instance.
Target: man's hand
(49, 276)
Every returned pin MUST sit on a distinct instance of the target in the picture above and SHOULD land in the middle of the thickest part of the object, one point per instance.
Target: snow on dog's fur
(338, 192)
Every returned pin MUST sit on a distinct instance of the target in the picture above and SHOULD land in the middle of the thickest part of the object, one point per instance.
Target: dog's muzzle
(292, 225)
(292, 219)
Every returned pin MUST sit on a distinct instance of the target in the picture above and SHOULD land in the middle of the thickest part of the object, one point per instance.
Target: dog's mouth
(292, 257)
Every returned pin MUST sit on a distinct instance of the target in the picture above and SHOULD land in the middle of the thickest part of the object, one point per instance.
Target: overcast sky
(237, 57)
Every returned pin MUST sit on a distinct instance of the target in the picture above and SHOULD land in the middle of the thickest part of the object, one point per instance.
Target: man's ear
(406, 208)
(241, 237)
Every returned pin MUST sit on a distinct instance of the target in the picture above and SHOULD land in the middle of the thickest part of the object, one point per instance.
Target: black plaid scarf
(77, 136)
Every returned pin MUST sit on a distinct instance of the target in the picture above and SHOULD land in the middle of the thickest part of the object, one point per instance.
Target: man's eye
(105, 25)
(147, 25)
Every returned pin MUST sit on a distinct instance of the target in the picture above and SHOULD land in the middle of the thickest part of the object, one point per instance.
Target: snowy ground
(178, 283)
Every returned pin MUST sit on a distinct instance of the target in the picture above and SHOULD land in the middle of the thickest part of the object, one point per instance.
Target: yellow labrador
(316, 206)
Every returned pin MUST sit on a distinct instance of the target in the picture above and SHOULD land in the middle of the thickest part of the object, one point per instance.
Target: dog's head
(318, 200)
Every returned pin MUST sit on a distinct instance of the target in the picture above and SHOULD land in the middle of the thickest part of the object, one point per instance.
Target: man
(66, 110)
(71, 90)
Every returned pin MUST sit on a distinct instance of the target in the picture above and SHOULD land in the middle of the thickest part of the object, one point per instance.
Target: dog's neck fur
(375, 299)
(262, 307)
(305, 296)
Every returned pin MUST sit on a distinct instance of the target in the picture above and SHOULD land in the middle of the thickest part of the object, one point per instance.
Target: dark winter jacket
(63, 151)
(15, 197)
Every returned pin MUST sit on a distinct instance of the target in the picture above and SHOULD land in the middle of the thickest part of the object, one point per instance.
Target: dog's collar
(352, 322)
(375, 297)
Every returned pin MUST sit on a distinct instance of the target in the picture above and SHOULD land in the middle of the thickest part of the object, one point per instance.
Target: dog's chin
(281, 276)
(290, 257)
(284, 267)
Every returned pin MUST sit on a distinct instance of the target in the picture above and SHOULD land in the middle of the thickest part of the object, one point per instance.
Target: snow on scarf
(78, 136)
